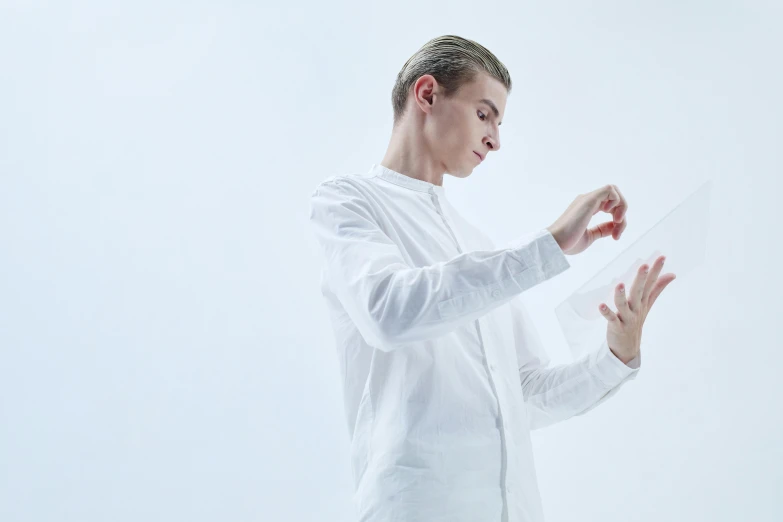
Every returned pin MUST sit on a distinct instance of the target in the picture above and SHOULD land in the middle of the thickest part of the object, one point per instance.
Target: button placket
(438, 208)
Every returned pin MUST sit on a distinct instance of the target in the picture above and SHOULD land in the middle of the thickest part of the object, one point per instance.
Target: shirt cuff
(542, 252)
(610, 369)
(636, 362)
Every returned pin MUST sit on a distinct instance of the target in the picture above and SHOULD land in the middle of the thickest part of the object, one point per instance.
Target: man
(443, 372)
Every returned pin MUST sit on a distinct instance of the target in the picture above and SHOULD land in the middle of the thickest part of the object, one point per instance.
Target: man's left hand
(624, 330)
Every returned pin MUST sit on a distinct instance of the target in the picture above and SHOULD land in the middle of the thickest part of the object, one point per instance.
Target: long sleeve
(556, 393)
(392, 302)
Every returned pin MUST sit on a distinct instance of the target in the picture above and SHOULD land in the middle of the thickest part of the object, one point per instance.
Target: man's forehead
(489, 88)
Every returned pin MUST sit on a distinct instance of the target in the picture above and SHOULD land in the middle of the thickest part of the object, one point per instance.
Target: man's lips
(479, 155)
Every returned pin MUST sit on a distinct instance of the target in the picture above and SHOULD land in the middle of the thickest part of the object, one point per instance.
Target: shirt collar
(402, 180)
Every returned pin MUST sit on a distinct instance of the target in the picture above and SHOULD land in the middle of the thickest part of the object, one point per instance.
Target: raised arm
(392, 302)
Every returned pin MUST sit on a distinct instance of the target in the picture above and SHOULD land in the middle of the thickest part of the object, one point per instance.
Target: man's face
(465, 125)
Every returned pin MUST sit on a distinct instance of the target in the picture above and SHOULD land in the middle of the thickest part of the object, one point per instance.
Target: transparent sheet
(681, 235)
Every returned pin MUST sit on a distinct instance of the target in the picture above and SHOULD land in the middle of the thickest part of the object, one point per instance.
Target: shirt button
(492, 367)
(495, 293)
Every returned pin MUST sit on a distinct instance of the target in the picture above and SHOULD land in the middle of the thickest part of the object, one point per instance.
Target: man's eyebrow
(491, 106)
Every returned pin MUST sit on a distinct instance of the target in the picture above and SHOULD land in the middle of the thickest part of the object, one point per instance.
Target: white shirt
(443, 372)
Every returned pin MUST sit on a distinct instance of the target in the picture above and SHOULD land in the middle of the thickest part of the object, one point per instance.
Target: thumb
(602, 230)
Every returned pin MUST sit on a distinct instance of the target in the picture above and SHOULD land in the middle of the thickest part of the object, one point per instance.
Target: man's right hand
(570, 230)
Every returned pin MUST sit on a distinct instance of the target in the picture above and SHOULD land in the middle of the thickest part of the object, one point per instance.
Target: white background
(165, 353)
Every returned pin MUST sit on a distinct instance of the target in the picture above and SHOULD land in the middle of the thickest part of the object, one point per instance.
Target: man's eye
(482, 114)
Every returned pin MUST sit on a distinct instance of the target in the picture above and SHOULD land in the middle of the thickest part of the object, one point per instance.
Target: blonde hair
(453, 61)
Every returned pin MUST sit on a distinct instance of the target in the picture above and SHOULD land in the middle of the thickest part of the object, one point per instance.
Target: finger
(617, 206)
(652, 278)
(612, 200)
(607, 313)
(619, 228)
(620, 300)
(635, 299)
(663, 282)
(605, 198)
(622, 207)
